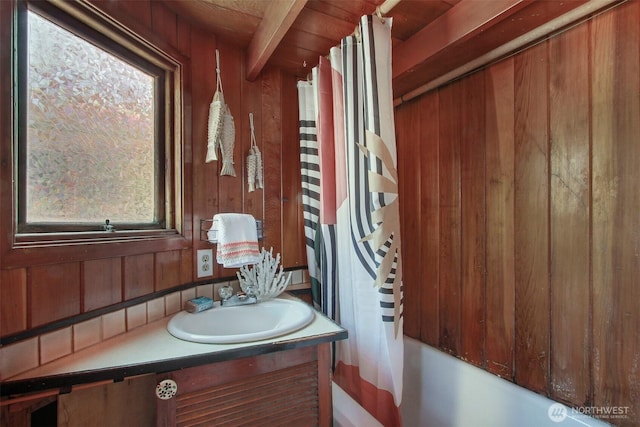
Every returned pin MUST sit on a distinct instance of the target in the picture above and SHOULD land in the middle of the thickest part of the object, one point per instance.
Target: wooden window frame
(30, 246)
(89, 35)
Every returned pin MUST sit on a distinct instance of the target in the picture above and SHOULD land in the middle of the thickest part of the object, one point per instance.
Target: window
(94, 131)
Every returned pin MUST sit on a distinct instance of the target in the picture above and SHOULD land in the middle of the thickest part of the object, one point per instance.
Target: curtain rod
(387, 6)
(381, 10)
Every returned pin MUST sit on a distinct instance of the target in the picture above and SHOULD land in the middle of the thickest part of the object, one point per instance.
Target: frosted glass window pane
(90, 132)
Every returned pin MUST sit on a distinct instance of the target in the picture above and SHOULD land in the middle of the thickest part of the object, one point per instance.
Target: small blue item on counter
(196, 305)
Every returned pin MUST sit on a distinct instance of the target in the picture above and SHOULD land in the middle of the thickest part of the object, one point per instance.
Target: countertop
(152, 349)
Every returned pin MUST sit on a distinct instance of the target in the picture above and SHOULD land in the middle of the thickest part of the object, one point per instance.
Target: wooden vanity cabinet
(291, 388)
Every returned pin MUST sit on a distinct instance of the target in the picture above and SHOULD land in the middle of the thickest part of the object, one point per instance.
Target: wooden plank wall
(521, 181)
(48, 287)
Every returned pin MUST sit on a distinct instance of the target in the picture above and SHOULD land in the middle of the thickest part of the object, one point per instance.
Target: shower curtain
(310, 170)
(355, 245)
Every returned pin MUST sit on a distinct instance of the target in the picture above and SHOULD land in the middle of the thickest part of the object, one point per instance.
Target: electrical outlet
(205, 262)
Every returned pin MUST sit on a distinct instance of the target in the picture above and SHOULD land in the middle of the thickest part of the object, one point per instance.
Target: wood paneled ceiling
(430, 37)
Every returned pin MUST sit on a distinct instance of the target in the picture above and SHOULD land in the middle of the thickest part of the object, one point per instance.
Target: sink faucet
(239, 298)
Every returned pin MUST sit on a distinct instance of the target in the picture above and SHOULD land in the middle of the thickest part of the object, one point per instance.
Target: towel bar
(206, 224)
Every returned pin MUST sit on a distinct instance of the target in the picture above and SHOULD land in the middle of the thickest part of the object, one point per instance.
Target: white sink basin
(226, 325)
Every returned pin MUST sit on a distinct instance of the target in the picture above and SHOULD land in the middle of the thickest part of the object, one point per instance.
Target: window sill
(37, 249)
(57, 239)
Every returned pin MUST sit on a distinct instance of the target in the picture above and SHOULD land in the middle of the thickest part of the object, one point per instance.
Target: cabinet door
(20, 411)
(289, 388)
(125, 403)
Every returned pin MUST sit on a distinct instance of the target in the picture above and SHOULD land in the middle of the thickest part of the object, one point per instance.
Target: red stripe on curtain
(326, 148)
(377, 402)
(338, 136)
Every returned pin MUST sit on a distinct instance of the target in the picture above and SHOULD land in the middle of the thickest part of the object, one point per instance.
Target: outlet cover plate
(205, 263)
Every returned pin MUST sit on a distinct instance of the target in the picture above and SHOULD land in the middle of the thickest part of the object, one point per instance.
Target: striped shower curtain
(310, 169)
(318, 194)
(357, 247)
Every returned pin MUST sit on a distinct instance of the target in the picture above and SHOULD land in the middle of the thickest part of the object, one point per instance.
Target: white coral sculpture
(263, 279)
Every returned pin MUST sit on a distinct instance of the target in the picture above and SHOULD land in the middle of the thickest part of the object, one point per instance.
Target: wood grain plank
(230, 188)
(206, 199)
(138, 275)
(569, 216)
(236, 26)
(325, 409)
(7, 13)
(407, 131)
(449, 204)
(183, 43)
(190, 228)
(108, 402)
(167, 269)
(429, 218)
(323, 25)
(102, 283)
(53, 292)
(499, 183)
(187, 262)
(252, 103)
(615, 40)
(531, 220)
(13, 301)
(164, 22)
(138, 11)
(473, 233)
(344, 10)
(293, 249)
(272, 154)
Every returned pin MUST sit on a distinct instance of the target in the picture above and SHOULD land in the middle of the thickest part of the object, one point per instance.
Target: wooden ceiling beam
(464, 20)
(277, 19)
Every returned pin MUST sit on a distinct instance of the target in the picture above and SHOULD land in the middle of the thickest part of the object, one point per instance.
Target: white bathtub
(440, 390)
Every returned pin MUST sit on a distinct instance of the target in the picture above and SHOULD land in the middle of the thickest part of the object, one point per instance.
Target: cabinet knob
(166, 389)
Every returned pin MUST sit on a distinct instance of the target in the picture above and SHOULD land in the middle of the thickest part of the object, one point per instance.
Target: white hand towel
(237, 239)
